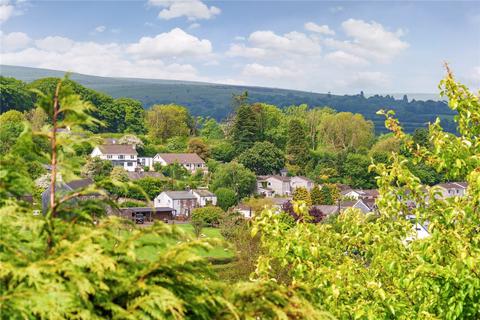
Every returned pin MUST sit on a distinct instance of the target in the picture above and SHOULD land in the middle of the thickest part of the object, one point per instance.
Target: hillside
(214, 100)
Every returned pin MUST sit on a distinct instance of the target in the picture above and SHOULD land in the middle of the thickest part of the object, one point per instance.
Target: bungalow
(190, 161)
(122, 155)
(204, 197)
(182, 202)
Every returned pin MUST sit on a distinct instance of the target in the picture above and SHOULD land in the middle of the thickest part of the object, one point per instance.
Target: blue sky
(341, 47)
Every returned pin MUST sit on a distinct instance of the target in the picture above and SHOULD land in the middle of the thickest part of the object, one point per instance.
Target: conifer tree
(302, 194)
(316, 195)
(245, 131)
(326, 195)
(297, 146)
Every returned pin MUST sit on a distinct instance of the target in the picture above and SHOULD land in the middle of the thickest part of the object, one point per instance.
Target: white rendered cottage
(123, 155)
(190, 161)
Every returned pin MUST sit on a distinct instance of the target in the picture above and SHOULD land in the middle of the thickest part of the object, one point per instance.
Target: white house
(182, 202)
(301, 182)
(190, 161)
(146, 162)
(204, 197)
(451, 189)
(271, 186)
(123, 155)
(360, 194)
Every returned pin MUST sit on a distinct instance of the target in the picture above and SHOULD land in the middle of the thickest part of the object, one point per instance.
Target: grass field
(219, 252)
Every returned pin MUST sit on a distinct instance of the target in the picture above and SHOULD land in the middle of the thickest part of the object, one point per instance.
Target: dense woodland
(288, 265)
(214, 100)
(320, 143)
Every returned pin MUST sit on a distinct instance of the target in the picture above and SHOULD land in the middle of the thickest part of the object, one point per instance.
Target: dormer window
(121, 156)
(109, 156)
(132, 157)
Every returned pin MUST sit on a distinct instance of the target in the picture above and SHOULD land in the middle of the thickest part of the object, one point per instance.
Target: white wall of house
(192, 167)
(352, 195)
(146, 162)
(297, 182)
(127, 161)
(203, 201)
(452, 192)
(163, 200)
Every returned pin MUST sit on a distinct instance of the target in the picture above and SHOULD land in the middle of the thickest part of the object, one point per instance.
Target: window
(121, 156)
(109, 156)
(132, 157)
(129, 164)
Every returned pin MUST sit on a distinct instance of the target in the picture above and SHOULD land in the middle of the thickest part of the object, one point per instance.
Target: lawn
(219, 252)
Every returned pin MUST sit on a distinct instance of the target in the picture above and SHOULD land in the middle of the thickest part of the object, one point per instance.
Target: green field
(220, 252)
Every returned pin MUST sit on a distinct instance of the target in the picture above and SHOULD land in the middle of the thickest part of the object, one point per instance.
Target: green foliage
(119, 174)
(15, 95)
(167, 121)
(97, 169)
(302, 194)
(174, 170)
(316, 195)
(226, 198)
(326, 195)
(210, 129)
(236, 177)
(263, 158)
(355, 173)
(198, 146)
(210, 215)
(245, 130)
(346, 131)
(297, 146)
(375, 266)
(223, 151)
(11, 126)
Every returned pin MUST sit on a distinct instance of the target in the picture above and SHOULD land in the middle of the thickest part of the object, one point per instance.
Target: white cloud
(192, 9)
(174, 43)
(109, 59)
(56, 44)
(368, 79)
(240, 50)
(100, 29)
(370, 40)
(293, 42)
(6, 12)
(323, 29)
(258, 70)
(14, 41)
(345, 59)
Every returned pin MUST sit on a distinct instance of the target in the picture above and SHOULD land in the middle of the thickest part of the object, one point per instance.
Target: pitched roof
(180, 195)
(303, 178)
(117, 149)
(81, 183)
(203, 193)
(453, 185)
(181, 158)
(327, 209)
(145, 174)
(280, 178)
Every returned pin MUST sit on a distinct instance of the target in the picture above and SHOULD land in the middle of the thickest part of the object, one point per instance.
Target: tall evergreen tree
(297, 146)
(316, 195)
(245, 131)
(326, 195)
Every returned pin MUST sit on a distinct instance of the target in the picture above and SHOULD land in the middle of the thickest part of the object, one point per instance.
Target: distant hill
(214, 100)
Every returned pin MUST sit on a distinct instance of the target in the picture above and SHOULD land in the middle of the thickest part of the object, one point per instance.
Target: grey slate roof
(204, 193)
(117, 149)
(180, 195)
(181, 158)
